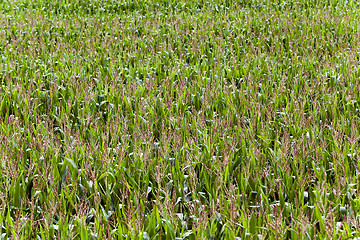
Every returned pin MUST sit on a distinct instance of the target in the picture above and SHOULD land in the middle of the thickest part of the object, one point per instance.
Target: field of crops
(183, 119)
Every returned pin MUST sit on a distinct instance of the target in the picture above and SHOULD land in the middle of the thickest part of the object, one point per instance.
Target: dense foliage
(179, 119)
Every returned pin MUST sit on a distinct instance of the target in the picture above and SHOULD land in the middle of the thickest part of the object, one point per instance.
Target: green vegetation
(179, 119)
